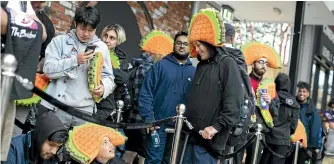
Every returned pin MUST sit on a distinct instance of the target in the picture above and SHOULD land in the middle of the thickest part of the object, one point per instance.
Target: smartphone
(90, 47)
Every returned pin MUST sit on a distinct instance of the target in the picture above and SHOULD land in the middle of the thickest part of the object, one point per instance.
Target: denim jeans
(198, 155)
(154, 155)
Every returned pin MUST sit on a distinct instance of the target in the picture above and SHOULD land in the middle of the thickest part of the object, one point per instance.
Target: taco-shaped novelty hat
(157, 42)
(41, 82)
(253, 51)
(207, 25)
(85, 141)
(300, 134)
(95, 74)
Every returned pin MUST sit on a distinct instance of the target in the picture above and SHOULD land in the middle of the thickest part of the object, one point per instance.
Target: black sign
(327, 40)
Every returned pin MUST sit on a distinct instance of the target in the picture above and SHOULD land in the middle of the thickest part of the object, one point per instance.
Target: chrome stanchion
(190, 127)
(257, 144)
(180, 109)
(230, 161)
(8, 68)
(119, 110)
(295, 159)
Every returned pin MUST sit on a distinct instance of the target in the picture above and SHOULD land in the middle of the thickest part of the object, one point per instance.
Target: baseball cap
(229, 31)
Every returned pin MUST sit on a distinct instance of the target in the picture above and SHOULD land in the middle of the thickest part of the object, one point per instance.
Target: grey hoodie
(69, 81)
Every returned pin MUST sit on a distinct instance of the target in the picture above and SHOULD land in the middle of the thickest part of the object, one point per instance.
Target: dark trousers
(237, 159)
(267, 157)
(302, 157)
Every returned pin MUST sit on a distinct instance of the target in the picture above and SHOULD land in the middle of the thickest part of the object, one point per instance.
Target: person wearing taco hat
(260, 57)
(94, 144)
(154, 46)
(210, 110)
(164, 87)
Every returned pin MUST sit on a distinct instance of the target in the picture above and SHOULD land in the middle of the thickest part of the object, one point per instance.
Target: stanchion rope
(72, 111)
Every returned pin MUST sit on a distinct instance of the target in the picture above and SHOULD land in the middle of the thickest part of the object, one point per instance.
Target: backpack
(238, 134)
(132, 112)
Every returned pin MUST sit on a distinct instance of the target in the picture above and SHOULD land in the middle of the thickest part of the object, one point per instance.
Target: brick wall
(61, 14)
(170, 17)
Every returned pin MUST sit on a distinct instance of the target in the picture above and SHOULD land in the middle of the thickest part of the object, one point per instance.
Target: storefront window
(321, 84)
(312, 80)
(330, 83)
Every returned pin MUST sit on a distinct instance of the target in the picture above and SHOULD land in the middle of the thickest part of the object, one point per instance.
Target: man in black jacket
(210, 110)
(278, 137)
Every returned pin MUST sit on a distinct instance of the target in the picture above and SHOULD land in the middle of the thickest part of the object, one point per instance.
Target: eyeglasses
(262, 62)
(178, 43)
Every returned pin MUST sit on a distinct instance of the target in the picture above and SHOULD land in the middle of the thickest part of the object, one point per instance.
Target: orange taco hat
(253, 51)
(157, 42)
(207, 25)
(85, 141)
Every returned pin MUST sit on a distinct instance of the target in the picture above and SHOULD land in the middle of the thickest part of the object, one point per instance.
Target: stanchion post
(295, 159)
(8, 68)
(257, 144)
(119, 110)
(230, 161)
(180, 109)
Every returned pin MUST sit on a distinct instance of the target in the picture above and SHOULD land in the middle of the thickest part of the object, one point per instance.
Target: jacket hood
(237, 54)
(46, 125)
(73, 35)
(171, 58)
(143, 59)
(120, 53)
(283, 84)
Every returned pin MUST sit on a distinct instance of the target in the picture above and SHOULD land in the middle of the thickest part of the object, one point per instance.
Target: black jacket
(207, 105)
(288, 113)
(105, 107)
(50, 31)
(115, 160)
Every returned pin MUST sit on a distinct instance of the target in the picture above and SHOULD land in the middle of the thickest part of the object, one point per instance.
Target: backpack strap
(218, 72)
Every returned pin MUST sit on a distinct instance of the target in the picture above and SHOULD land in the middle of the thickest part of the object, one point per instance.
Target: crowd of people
(90, 73)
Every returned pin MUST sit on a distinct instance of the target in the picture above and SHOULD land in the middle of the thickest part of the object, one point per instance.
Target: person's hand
(266, 97)
(208, 132)
(84, 57)
(98, 91)
(331, 125)
(148, 130)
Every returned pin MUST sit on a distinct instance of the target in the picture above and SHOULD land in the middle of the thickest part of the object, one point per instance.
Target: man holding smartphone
(66, 64)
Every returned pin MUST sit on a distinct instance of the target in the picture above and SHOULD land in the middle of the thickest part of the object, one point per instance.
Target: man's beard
(180, 57)
(260, 72)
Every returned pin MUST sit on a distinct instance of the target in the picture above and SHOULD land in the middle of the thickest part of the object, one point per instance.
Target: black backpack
(238, 134)
(131, 114)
